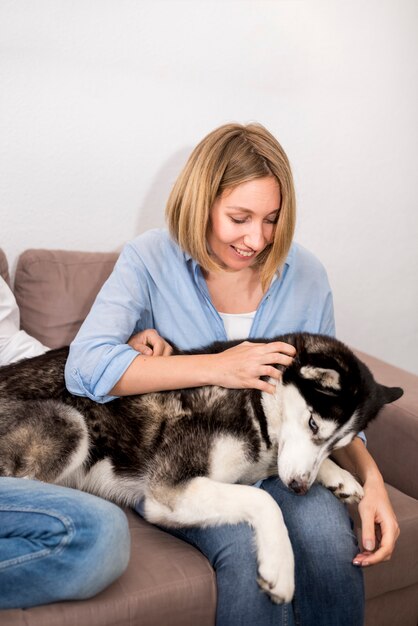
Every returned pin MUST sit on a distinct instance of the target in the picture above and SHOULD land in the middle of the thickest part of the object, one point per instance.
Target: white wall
(102, 100)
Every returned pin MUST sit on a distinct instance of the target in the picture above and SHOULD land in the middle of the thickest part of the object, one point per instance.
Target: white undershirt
(237, 325)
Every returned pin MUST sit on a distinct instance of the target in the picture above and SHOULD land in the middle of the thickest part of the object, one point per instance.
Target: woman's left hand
(380, 528)
(150, 343)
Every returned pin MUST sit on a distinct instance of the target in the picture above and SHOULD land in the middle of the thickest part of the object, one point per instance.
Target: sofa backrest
(55, 290)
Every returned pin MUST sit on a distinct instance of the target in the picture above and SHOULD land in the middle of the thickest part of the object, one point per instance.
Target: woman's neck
(235, 292)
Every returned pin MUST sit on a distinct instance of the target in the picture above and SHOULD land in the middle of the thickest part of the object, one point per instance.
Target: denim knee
(329, 588)
(317, 521)
(102, 537)
(74, 543)
(324, 528)
(231, 550)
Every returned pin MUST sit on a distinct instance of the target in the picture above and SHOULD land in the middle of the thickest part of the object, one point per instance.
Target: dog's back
(47, 433)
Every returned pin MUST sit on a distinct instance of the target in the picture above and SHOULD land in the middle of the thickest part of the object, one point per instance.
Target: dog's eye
(313, 425)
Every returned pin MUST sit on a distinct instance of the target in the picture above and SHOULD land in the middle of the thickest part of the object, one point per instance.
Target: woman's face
(242, 222)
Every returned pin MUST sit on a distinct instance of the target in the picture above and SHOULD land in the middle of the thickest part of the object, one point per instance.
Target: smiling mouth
(244, 253)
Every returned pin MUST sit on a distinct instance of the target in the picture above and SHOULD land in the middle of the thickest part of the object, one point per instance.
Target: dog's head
(328, 397)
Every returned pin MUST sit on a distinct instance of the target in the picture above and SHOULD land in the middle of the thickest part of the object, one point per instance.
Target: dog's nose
(298, 487)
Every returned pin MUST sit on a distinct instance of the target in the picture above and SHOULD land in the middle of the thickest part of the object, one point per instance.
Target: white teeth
(243, 252)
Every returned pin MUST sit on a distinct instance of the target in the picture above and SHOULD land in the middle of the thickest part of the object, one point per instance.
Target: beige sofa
(168, 582)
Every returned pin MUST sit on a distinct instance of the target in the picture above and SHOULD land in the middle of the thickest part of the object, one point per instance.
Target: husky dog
(192, 454)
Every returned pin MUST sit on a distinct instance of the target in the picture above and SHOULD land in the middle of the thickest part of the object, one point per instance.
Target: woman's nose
(254, 238)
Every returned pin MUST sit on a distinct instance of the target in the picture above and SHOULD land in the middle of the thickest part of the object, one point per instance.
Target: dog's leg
(342, 484)
(206, 502)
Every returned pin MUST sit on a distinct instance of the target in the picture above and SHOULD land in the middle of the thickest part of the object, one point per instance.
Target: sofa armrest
(392, 438)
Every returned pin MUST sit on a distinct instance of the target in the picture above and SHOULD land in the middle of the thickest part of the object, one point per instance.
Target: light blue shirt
(157, 285)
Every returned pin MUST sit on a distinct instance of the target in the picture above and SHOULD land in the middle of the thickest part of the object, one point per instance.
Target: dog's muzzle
(298, 487)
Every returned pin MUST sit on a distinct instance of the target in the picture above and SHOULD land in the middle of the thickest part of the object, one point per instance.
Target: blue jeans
(57, 543)
(329, 588)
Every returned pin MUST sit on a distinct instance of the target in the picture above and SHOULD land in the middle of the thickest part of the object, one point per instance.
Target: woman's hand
(241, 366)
(149, 343)
(380, 528)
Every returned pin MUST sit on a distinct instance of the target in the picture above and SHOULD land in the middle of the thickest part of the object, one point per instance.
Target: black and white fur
(192, 454)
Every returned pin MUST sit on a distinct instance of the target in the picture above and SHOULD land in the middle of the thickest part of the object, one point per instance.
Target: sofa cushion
(167, 582)
(68, 282)
(393, 437)
(394, 608)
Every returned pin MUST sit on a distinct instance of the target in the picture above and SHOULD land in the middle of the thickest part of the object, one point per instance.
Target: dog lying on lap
(190, 451)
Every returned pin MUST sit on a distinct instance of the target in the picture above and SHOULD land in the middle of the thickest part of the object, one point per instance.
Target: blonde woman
(227, 268)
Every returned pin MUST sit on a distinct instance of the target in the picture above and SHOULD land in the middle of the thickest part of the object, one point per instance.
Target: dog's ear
(390, 394)
(326, 378)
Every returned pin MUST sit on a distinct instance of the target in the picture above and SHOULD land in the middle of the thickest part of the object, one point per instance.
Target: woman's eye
(313, 425)
(237, 221)
(273, 219)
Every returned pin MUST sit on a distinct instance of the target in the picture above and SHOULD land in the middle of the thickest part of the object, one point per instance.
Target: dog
(193, 454)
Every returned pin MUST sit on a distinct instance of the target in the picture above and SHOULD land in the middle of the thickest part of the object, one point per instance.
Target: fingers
(262, 385)
(283, 359)
(387, 533)
(168, 350)
(383, 553)
(282, 348)
(243, 365)
(158, 346)
(279, 347)
(149, 343)
(141, 347)
(137, 343)
(275, 352)
(368, 535)
(390, 533)
(272, 372)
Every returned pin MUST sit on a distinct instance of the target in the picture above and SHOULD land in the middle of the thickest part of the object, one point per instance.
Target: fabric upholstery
(393, 437)
(395, 608)
(55, 290)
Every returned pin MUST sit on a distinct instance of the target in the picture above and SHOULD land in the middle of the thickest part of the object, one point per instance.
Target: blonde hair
(227, 157)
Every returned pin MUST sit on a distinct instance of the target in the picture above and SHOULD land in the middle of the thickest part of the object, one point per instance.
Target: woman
(228, 269)
(55, 543)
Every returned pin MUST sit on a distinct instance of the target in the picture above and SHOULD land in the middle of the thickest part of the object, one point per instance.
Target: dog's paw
(276, 576)
(342, 484)
(280, 592)
(347, 489)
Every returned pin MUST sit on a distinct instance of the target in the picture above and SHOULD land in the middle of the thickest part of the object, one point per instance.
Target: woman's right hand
(149, 343)
(240, 367)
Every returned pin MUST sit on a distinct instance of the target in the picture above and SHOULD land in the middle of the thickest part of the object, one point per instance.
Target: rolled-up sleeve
(105, 375)
(99, 355)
